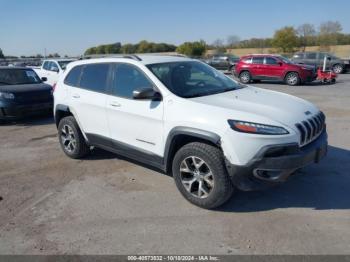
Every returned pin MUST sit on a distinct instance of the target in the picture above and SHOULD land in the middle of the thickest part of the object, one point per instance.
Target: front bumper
(16, 111)
(309, 77)
(274, 164)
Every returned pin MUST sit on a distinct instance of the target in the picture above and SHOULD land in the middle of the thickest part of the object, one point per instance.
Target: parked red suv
(273, 67)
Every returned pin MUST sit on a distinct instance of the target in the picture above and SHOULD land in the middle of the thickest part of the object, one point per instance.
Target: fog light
(268, 174)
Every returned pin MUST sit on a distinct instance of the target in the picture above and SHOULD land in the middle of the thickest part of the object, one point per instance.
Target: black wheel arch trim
(186, 131)
(60, 108)
(291, 71)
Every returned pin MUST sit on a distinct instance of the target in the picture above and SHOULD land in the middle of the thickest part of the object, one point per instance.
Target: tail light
(53, 87)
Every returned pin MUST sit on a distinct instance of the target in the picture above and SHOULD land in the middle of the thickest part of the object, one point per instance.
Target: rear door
(257, 67)
(88, 99)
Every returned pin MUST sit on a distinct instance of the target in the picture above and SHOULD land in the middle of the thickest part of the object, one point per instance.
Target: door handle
(115, 104)
(76, 96)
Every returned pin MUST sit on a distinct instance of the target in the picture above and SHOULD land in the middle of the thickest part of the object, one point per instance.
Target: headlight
(255, 128)
(7, 95)
(307, 69)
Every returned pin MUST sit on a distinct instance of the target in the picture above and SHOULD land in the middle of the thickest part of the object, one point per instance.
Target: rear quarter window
(247, 60)
(94, 77)
(73, 77)
(46, 65)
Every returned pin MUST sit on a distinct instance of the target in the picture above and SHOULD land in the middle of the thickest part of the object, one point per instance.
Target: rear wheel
(245, 77)
(232, 70)
(200, 175)
(338, 69)
(71, 139)
(292, 79)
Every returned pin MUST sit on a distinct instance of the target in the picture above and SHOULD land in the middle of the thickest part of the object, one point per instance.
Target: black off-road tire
(222, 189)
(81, 149)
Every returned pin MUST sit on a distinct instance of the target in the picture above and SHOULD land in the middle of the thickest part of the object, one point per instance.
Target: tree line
(289, 38)
(141, 47)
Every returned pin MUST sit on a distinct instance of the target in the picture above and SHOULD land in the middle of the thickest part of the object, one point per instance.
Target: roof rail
(131, 56)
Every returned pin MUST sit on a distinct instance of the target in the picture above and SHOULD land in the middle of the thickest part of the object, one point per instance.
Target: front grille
(311, 128)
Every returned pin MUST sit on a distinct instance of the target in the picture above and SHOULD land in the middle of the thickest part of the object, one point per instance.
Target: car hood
(278, 107)
(25, 88)
(310, 67)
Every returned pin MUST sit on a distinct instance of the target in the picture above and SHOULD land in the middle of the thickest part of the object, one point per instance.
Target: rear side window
(258, 60)
(94, 77)
(128, 78)
(73, 76)
(270, 61)
(247, 60)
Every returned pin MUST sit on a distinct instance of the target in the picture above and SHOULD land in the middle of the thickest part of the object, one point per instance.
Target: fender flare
(187, 131)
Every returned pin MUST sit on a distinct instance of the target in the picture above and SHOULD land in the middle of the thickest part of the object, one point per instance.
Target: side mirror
(146, 93)
(280, 63)
(44, 79)
(54, 69)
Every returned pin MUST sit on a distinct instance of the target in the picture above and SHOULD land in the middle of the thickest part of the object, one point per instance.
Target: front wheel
(292, 79)
(200, 175)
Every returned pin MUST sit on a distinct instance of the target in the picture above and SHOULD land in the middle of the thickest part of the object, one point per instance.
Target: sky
(69, 27)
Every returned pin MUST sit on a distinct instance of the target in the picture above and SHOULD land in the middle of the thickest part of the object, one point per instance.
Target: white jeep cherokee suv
(189, 120)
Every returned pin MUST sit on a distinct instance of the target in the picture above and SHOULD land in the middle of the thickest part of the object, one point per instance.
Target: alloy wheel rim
(337, 69)
(68, 138)
(292, 79)
(245, 77)
(196, 177)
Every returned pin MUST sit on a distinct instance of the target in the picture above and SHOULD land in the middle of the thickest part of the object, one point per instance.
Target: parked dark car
(273, 67)
(317, 58)
(23, 93)
(223, 62)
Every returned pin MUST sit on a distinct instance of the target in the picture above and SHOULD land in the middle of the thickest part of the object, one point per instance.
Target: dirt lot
(50, 204)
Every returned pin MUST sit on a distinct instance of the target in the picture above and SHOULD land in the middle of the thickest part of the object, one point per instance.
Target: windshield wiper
(211, 93)
(5, 83)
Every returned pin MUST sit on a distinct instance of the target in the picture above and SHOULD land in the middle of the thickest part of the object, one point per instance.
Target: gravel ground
(50, 204)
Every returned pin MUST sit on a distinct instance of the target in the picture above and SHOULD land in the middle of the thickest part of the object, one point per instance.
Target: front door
(272, 68)
(136, 126)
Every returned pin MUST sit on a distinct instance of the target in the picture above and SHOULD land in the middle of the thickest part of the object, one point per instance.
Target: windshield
(286, 60)
(63, 64)
(192, 79)
(18, 77)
